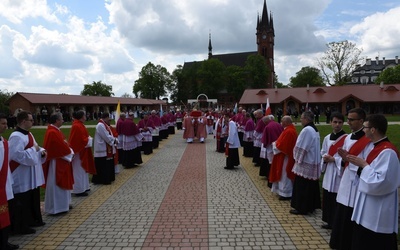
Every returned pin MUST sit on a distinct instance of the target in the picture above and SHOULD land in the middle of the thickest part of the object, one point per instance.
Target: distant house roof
(334, 94)
(36, 98)
(367, 73)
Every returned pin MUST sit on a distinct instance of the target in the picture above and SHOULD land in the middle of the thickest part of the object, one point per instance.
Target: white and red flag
(268, 108)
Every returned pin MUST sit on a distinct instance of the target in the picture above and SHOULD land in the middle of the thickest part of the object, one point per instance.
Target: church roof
(237, 59)
(334, 94)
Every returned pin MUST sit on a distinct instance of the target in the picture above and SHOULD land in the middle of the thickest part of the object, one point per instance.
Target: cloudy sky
(57, 46)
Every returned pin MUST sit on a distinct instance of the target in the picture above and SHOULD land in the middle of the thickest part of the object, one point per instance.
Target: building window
(362, 71)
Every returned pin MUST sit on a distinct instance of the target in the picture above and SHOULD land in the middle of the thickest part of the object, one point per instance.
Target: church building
(265, 36)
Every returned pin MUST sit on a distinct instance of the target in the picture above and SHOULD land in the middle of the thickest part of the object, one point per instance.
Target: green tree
(97, 89)
(389, 76)
(257, 71)
(153, 82)
(339, 61)
(190, 82)
(126, 95)
(179, 92)
(278, 84)
(211, 77)
(4, 96)
(235, 81)
(307, 75)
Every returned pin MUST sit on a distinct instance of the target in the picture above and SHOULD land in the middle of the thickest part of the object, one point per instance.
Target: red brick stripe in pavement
(181, 220)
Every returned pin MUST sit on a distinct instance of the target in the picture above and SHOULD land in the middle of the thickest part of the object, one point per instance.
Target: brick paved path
(181, 197)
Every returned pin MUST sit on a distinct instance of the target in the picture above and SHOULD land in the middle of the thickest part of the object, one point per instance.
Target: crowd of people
(65, 166)
(361, 170)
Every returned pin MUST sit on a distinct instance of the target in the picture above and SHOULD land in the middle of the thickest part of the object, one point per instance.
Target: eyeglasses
(352, 119)
(367, 127)
(31, 120)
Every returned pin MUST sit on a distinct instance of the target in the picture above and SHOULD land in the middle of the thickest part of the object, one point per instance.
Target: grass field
(393, 132)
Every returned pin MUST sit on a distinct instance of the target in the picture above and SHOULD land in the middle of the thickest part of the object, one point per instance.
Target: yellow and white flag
(117, 112)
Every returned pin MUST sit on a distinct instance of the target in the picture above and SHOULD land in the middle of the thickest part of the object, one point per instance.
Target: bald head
(286, 121)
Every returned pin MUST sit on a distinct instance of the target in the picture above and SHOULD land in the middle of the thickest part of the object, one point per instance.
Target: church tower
(265, 42)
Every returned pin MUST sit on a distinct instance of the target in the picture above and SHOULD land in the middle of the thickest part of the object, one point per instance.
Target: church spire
(264, 16)
(209, 46)
(271, 24)
(265, 36)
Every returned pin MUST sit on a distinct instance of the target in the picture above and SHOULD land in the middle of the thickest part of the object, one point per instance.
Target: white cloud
(378, 33)
(17, 11)
(9, 65)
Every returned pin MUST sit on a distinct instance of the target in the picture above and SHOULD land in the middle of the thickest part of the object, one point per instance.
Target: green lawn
(393, 132)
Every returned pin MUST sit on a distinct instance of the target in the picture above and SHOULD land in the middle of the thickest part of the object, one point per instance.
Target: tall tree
(339, 61)
(153, 82)
(389, 76)
(278, 84)
(307, 75)
(126, 95)
(190, 83)
(97, 89)
(4, 96)
(179, 93)
(257, 71)
(211, 77)
(236, 81)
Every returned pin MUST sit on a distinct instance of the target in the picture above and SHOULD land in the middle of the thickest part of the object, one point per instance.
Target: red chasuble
(57, 147)
(78, 140)
(4, 215)
(285, 143)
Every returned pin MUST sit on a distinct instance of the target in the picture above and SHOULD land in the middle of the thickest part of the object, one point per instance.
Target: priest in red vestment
(281, 175)
(57, 168)
(5, 188)
(83, 163)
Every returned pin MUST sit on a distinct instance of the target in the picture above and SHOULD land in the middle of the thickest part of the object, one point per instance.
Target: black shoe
(295, 212)
(11, 246)
(38, 224)
(282, 198)
(87, 190)
(82, 194)
(70, 207)
(326, 226)
(28, 230)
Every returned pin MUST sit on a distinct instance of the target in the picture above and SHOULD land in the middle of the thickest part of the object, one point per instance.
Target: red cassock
(78, 140)
(57, 147)
(4, 214)
(285, 143)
